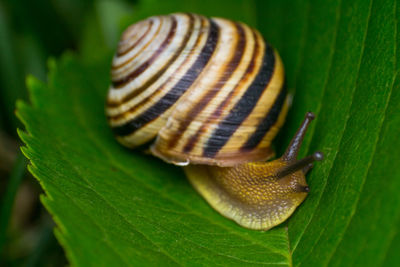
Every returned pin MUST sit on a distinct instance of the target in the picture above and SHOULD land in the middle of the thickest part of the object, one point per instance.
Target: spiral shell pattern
(207, 90)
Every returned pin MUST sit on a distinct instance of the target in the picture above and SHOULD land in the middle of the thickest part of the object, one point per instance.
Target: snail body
(208, 94)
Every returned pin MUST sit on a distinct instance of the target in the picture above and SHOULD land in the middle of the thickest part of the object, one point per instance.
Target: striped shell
(207, 90)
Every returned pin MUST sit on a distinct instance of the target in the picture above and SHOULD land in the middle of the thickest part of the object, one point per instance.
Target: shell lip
(223, 160)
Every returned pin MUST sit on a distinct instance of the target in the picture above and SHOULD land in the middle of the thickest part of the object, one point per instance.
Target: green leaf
(116, 207)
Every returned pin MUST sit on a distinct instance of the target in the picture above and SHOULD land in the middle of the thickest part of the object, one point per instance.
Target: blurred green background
(30, 33)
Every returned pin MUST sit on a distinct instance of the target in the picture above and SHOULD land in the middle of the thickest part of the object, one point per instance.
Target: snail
(208, 94)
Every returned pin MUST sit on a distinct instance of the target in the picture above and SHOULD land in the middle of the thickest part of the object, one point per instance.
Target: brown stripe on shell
(160, 72)
(132, 46)
(149, 42)
(177, 91)
(267, 122)
(243, 108)
(122, 82)
(159, 89)
(208, 97)
(217, 113)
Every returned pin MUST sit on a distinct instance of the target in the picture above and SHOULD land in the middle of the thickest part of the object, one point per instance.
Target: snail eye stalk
(294, 146)
(299, 164)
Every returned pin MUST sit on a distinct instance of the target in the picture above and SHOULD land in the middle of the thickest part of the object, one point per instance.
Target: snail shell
(210, 92)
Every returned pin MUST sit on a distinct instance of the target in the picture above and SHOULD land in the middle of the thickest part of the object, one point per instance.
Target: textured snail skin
(257, 195)
(247, 195)
(209, 94)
